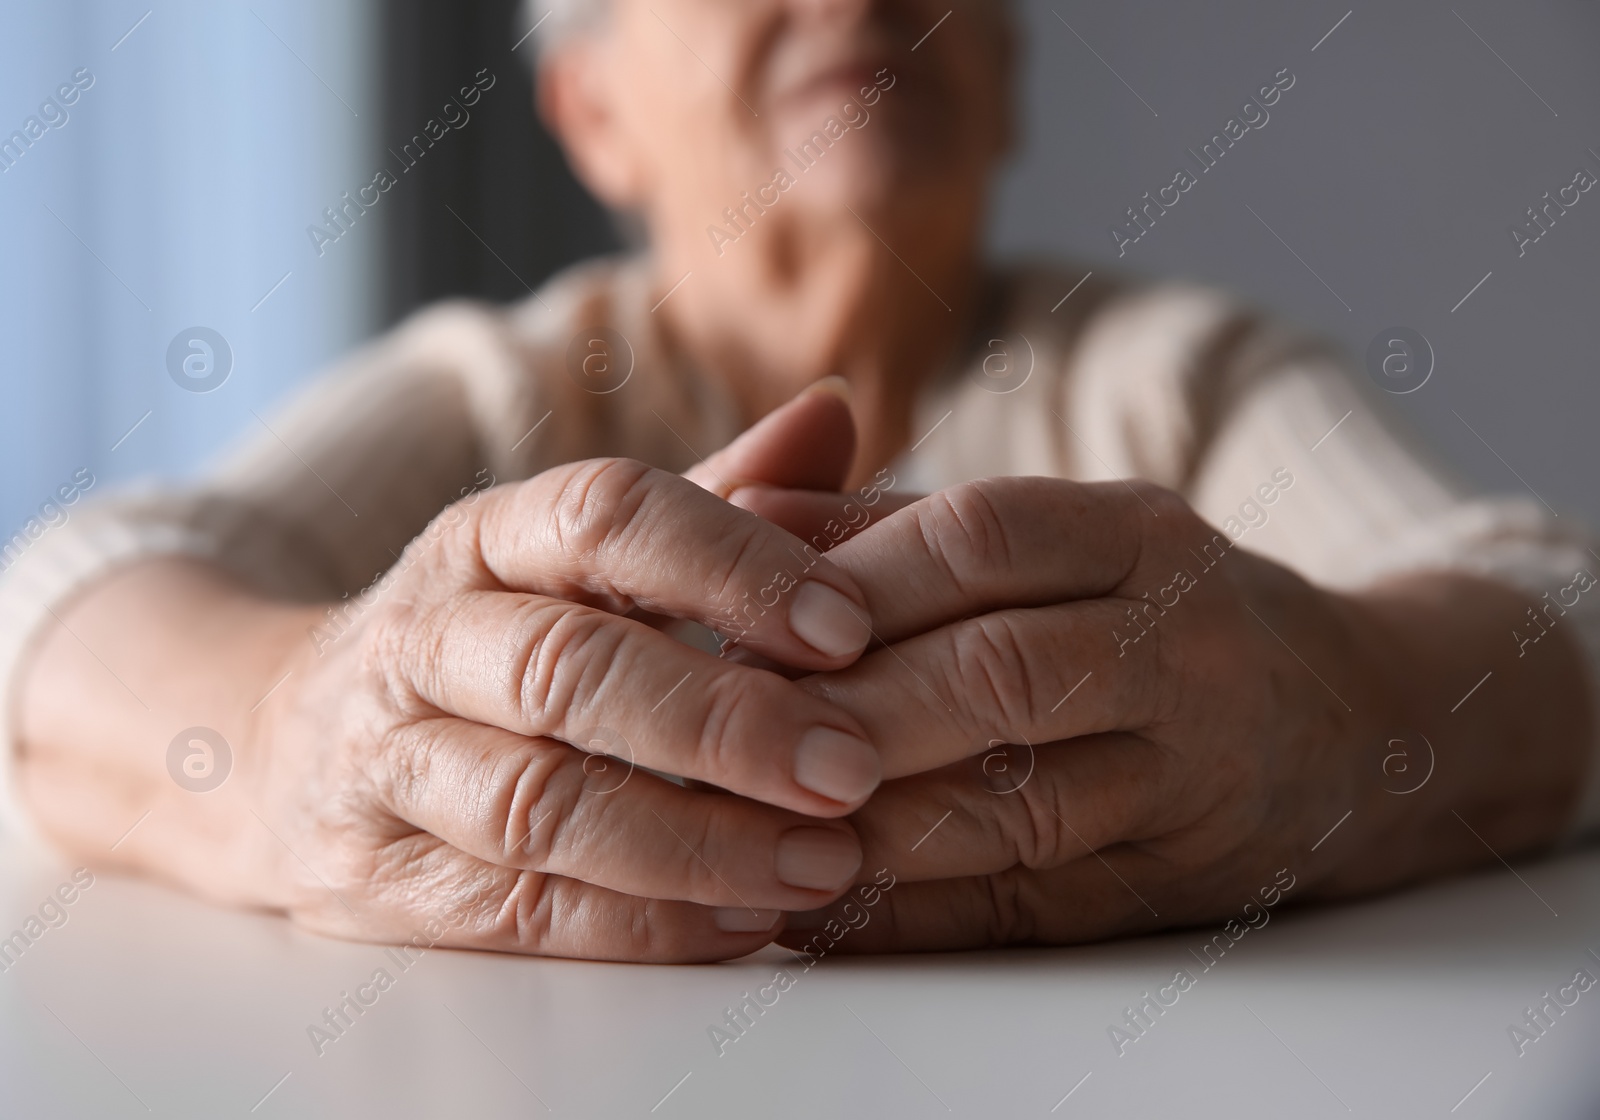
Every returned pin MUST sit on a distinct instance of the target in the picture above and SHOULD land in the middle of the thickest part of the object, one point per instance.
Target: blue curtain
(159, 168)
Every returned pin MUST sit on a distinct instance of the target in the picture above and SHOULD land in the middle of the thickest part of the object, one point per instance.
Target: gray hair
(559, 21)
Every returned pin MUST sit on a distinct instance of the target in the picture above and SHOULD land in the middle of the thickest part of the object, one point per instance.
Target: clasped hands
(1041, 709)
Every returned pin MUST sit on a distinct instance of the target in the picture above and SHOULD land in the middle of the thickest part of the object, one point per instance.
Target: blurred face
(681, 105)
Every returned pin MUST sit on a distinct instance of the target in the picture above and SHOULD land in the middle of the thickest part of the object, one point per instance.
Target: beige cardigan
(1263, 431)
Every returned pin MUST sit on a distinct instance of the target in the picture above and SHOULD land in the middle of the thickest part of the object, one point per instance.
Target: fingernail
(736, 484)
(821, 859)
(826, 621)
(741, 919)
(836, 765)
(838, 386)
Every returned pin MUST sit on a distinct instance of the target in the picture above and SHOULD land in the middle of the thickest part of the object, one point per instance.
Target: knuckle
(560, 661)
(1154, 669)
(1039, 834)
(527, 812)
(402, 654)
(964, 530)
(403, 752)
(531, 911)
(598, 504)
(549, 915)
(1161, 500)
(737, 574)
(352, 878)
(993, 672)
(445, 902)
(643, 940)
(1009, 921)
(695, 848)
(510, 807)
(656, 933)
(738, 704)
(1161, 692)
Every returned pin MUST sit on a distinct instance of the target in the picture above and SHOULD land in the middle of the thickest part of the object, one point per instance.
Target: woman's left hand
(1098, 717)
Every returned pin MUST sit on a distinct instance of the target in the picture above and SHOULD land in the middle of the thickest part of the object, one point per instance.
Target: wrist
(1462, 751)
(146, 752)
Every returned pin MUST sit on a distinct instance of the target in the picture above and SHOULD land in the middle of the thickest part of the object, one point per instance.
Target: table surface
(145, 1002)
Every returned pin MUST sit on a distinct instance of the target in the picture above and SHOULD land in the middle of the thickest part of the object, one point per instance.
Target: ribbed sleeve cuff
(1515, 543)
(35, 589)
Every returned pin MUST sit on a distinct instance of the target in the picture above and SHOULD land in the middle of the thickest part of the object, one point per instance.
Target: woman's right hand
(416, 769)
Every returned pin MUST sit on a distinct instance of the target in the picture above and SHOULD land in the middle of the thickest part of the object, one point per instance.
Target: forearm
(1496, 743)
(147, 653)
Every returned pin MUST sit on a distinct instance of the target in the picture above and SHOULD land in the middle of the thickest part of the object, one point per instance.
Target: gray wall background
(1394, 167)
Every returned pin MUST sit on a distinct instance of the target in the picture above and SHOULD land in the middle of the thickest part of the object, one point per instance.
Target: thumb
(807, 444)
(823, 520)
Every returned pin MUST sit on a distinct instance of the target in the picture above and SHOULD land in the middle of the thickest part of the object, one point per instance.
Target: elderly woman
(1051, 608)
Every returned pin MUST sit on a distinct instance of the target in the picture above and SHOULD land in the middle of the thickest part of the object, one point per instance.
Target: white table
(1396, 1007)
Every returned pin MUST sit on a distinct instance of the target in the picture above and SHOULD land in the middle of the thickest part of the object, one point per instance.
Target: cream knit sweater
(1263, 431)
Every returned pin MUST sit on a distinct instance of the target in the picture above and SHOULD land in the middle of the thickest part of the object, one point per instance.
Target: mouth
(838, 82)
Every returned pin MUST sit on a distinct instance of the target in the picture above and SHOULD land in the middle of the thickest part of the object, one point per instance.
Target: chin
(875, 181)
(853, 182)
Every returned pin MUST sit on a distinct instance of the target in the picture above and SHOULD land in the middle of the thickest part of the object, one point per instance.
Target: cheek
(978, 58)
(649, 53)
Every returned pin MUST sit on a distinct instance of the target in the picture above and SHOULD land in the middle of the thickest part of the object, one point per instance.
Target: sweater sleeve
(323, 497)
(318, 501)
(1269, 437)
(1303, 468)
